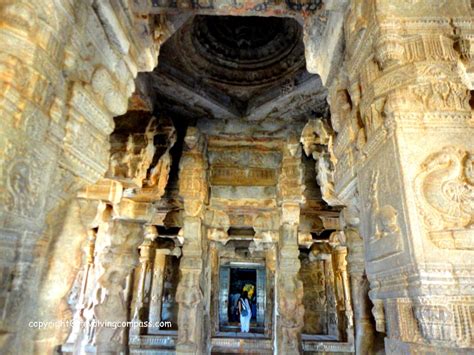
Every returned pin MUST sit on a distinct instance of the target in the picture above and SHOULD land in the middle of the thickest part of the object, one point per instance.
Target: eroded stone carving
(218, 224)
(384, 227)
(193, 177)
(189, 296)
(291, 312)
(132, 155)
(317, 140)
(66, 69)
(266, 226)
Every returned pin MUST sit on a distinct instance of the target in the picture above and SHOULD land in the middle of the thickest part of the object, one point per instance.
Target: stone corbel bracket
(218, 224)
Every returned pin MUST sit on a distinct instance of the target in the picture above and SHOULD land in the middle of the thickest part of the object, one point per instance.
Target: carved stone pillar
(157, 289)
(290, 309)
(86, 276)
(193, 189)
(143, 292)
(364, 328)
(270, 299)
(116, 256)
(189, 293)
(343, 298)
(403, 115)
(290, 318)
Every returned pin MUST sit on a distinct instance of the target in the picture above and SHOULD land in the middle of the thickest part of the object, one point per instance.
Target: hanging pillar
(290, 309)
(343, 298)
(142, 302)
(364, 327)
(157, 289)
(194, 191)
(402, 108)
(85, 284)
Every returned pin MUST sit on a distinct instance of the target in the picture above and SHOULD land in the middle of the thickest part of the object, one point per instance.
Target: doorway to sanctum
(234, 280)
(242, 280)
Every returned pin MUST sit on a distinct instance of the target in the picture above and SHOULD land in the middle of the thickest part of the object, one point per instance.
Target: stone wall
(66, 69)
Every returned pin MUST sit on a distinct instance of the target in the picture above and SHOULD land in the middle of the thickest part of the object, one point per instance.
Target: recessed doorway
(242, 280)
(234, 279)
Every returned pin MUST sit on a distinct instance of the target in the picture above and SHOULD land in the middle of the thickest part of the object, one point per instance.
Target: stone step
(241, 345)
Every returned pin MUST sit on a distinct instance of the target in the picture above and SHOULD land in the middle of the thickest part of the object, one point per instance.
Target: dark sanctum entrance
(234, 279)
(242, 280)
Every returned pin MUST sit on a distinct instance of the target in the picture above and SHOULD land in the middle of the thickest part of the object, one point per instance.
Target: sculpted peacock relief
(445, 188)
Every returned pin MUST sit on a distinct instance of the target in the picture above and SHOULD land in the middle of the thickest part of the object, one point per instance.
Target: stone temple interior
(158, 158)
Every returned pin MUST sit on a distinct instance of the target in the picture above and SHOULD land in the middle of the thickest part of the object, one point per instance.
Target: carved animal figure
(448, 189)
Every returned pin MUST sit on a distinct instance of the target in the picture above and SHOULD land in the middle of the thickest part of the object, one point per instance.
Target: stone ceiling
(228, 69)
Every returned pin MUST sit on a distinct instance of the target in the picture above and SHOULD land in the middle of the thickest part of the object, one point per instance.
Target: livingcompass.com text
(98, 324)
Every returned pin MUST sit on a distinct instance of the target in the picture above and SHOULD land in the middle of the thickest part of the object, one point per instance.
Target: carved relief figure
(159, 174)
(291, 313)
(446, 189)
(385, 218)
(193, 187)
(436, 322)
(21, 188)
(112, 309)
(188, 295)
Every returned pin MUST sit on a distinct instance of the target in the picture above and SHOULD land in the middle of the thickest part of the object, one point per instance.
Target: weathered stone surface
(144, 216)
(400, 83)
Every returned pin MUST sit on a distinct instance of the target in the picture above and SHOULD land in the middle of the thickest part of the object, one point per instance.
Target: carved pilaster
(290, 309)
(193, 189)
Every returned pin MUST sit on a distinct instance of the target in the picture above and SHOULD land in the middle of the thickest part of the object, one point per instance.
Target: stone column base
(397, 347)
